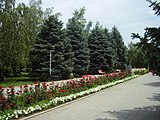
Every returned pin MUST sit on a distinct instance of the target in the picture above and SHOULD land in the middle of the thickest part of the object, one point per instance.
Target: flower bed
(43, 96)
(140, 71)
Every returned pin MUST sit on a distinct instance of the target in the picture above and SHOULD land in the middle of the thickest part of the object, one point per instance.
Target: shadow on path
(154, 84)
(144, 113)
(155, 97)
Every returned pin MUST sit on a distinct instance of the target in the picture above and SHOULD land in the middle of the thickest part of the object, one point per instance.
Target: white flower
(30, 109)
(37, 107)
(25, 112)
(19, 112)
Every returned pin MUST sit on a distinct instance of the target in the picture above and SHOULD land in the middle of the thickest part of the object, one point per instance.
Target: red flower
(30, 98)
(35, 82)
(20, 91)
(7, 107)
(63, 91)
(25, 85)
(10, 86)
(44, 83)
(12, 104)
(94, 78)
(1, 87)
(3, 98)
(77, 86)
(13, 92)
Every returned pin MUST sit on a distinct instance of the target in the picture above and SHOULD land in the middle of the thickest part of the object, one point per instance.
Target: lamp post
(50, 69)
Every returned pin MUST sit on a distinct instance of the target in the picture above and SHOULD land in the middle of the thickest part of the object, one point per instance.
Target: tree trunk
(1, 77)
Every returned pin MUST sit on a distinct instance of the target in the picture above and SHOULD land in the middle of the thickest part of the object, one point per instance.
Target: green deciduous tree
(132, 54)
(141, 60)
(136, 56)
(18, 28)
(150, 42)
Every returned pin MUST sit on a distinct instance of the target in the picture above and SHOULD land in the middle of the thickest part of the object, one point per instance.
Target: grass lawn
(16, 81)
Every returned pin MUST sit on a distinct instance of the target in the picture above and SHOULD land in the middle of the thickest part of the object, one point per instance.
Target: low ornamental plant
(141, 71)
(37, 97)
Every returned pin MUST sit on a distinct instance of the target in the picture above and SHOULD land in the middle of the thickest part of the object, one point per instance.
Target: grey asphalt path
(137, 99)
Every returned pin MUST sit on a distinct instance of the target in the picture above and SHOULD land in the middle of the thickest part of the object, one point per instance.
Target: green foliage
(120, 53)
(150, 42)
(136, 56)
(18, 29)
(132, 54)
(52, 41)
(15, 81)
(109, 51)
(141, 60)
(141, 71)
(77, 35)
(24, 38)
(100, 50)
(155, 6)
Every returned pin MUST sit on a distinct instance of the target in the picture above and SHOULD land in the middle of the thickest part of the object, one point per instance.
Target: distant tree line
(76, 49)
(150, 42)
(19, 25)
(29, 35)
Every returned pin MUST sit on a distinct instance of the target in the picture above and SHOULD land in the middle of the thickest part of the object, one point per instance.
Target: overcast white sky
(130, 16)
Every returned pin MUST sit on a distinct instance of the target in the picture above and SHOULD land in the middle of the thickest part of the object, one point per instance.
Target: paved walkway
(137, 99)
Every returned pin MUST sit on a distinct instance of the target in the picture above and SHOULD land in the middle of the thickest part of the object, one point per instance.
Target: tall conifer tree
(51, 41)
(97, 44)
(120, 49)
(109, 51)
(78, 39)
